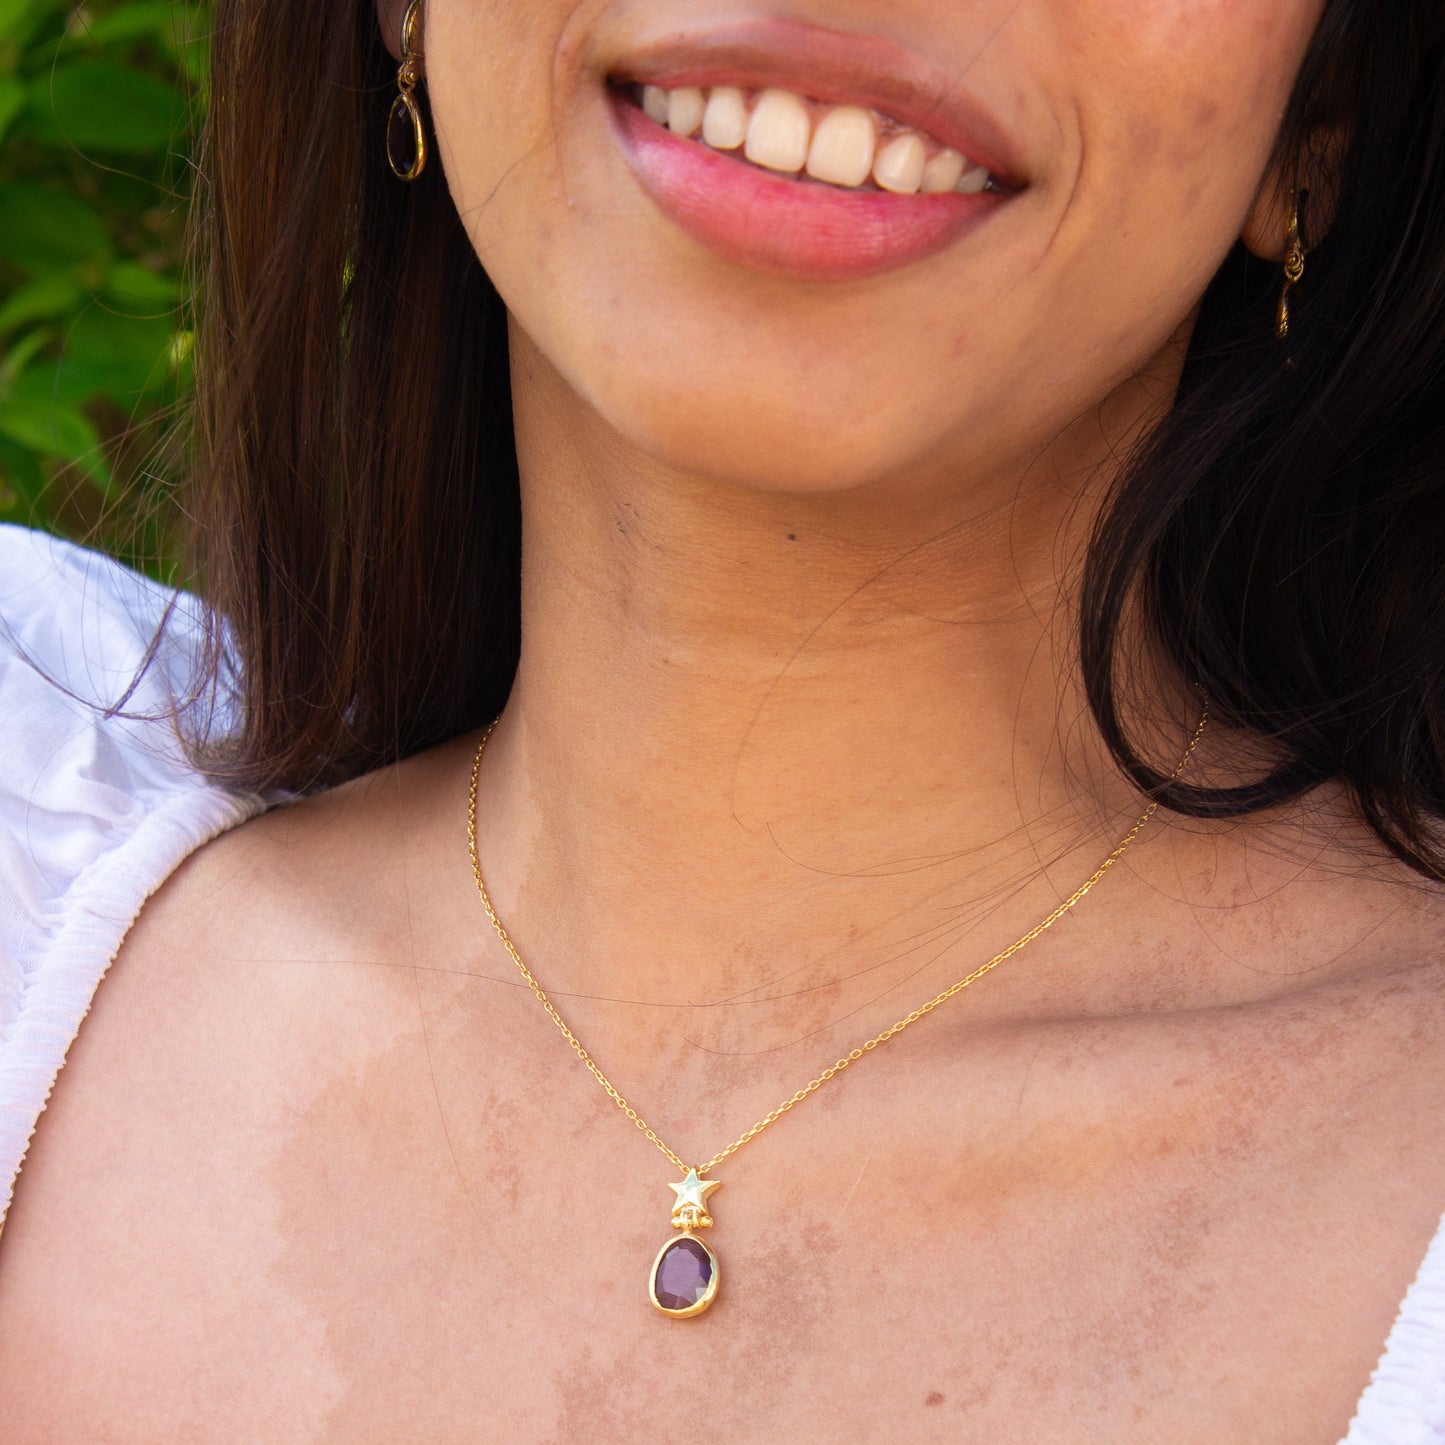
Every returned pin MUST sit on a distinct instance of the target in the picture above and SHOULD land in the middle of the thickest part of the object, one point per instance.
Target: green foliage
(98, 105)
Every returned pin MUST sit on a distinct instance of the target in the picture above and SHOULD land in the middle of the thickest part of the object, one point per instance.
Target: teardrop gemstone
(405, 139)
(684, 1277)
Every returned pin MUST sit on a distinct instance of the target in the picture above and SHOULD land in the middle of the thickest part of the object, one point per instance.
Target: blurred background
(99, 105)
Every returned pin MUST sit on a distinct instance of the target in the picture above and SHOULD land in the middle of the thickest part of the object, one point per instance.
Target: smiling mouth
(807, 153)
(847, 147)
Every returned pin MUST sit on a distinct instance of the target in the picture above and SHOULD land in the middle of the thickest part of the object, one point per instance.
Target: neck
(787, 761)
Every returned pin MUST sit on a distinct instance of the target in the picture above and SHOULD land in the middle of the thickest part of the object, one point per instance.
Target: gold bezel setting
(709, 1294)
(405, 101)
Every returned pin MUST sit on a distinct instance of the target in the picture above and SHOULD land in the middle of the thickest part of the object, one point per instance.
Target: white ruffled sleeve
(96, 809)
(1404, 1403)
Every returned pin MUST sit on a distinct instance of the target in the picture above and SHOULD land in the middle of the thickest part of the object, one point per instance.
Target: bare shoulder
(325, 876)
(264, 998)
(1306, 895)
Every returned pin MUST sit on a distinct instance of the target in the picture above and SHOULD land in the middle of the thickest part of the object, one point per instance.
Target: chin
(760, 446)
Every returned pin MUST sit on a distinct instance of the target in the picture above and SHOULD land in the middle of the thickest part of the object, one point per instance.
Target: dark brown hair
(354, 493)
(353, 488)
(1282, 530)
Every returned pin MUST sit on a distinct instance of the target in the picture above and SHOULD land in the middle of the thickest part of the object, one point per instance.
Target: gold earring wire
(1294, 265)
(405, 134)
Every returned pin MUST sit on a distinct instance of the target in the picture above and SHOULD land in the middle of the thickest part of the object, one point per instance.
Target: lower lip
(788, 227)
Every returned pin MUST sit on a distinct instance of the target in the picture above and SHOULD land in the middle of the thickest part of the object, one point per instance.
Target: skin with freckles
(795, 743)
(897, 384)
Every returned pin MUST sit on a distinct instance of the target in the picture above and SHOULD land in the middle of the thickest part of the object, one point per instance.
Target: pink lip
(788, 227)
(836, 68)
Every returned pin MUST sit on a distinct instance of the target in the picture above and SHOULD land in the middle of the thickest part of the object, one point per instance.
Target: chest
(1181, 1318)
(1081, 1235)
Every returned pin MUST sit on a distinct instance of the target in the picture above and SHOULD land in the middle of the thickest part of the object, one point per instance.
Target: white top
(97, 811)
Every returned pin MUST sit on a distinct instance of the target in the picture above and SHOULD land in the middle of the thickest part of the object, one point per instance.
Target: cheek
(1177, 108)
(1193, 86)
(490, 86)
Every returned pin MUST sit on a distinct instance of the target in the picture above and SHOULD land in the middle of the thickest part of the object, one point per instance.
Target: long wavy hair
(353, 479)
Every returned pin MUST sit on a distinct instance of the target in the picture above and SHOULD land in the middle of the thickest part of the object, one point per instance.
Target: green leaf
(124, 358)
(60, 432)
(12, 101)
(44, 229)
(17, 19)
(15, 361)
(142, 20)
(43, 299)
(26, 482)
(101, 105)
(194, 53)
(131, 284)
(54, 428)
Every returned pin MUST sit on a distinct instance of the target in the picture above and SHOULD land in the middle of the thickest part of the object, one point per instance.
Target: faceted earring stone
(405, 139)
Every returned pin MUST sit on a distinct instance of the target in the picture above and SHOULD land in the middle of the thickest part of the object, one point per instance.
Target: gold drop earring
(405, 134)
(1294, 264)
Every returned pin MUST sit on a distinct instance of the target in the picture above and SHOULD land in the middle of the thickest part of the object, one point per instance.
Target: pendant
(405, 139)
(685, 1273)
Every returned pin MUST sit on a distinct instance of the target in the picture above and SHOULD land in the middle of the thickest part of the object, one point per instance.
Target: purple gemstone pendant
(685, 1272)
(684, 1277)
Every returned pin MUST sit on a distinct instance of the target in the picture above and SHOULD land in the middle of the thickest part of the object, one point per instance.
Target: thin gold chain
(867, 1047)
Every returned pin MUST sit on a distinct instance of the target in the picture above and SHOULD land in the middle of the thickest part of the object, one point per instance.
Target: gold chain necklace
(685, 1272)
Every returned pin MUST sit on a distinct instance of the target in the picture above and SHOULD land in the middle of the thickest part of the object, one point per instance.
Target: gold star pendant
(690, 1211)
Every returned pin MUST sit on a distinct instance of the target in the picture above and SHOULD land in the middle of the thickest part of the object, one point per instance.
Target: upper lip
(836, 68)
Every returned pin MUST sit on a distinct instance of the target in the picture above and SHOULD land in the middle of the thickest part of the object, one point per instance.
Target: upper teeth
(842, 145)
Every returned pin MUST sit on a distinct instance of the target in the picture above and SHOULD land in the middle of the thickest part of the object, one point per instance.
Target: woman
(883, 493)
